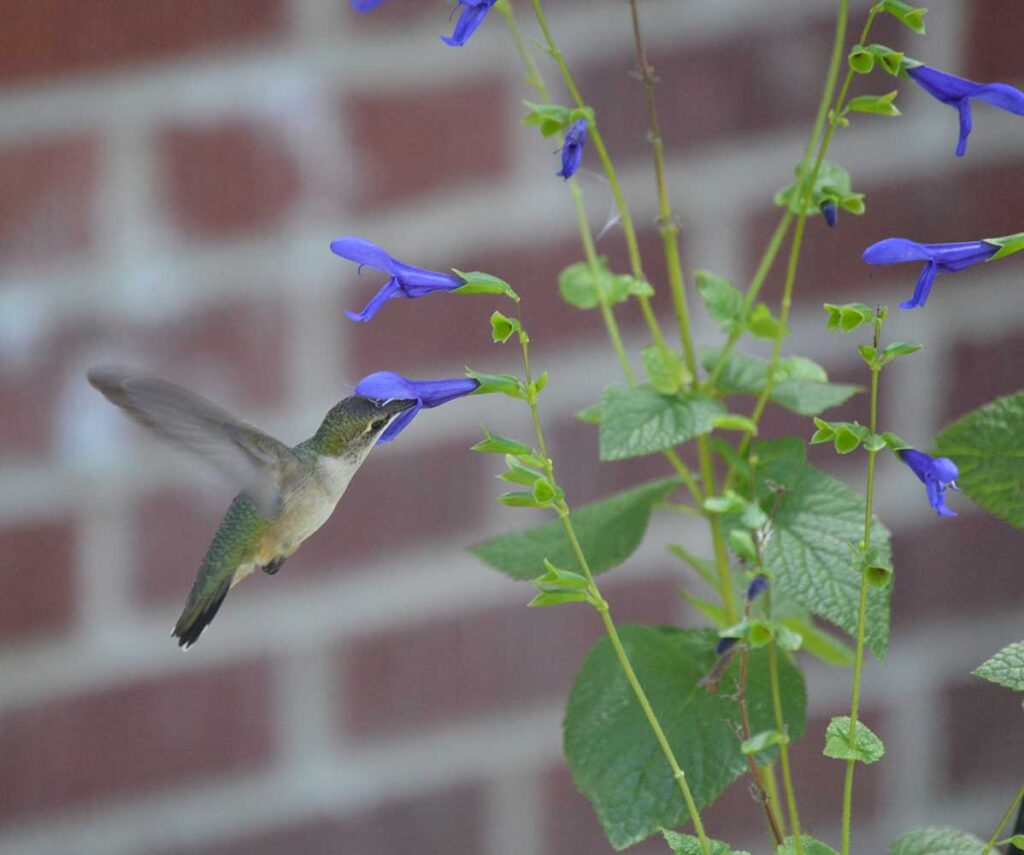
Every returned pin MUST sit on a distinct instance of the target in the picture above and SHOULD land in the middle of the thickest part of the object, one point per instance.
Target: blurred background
(171, 175)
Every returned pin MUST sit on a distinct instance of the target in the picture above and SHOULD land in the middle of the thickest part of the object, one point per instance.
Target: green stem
(1002, 823)
(858, 663)
(780, 725)
(594, 132)
(602, 606)
(536, 79)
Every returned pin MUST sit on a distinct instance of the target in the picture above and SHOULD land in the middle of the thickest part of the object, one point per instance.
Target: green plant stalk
(771, 785)
(1006, 818)
(858, 662)
(628, 229)
(602, 607)
(780, 725)
(670, 244)
(806, 188)
(535, 79)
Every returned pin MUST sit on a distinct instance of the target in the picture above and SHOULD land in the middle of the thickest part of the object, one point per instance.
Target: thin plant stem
(535, 79)
(673, 264)
(771, 786)
(1002, 823)
(603, 608)
(858, 662)
(628, 229)
(780, 725)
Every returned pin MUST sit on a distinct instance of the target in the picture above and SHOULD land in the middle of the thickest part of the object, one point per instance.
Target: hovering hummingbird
(286, 494)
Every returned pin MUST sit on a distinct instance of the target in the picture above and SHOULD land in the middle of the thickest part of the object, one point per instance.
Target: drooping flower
(365, 5)
(471, 18)
(758, 585)
(724, 645)
(936, 473)
(388, 386)
(830, 211)
(572, 151)
(958, 92)
(405, 281)
(940, 258)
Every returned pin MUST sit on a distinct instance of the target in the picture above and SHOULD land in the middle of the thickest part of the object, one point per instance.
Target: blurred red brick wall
(171, 176)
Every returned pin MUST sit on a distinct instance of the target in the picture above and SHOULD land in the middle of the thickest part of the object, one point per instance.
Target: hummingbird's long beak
(399, 405)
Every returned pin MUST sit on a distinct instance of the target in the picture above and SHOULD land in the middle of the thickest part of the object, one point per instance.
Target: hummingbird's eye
(377, 425)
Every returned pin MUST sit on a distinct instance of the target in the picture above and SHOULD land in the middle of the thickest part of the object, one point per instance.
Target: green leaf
(638, 420)
(821, 645)
(761, 741)
(579, 288)
(849, 316)
(986, 447)
(494, 443)
(712, 611)
(1008, 245)
(1017, 840)
(1005, 668)
(809, 555)
(809, 845)
(734, 421)
(899, 348)
(832, 185)
(484, 283)
(550, 118)
(877, 105)
(521, 500)
(937, 841)
(704, 567)
(787, 638)
(909, 15)
(616, 761)
(609, 532)
(868, 748)
(591, 415)
(685, 844)
(556, 598)
(800, 384)
(666, 379)
(724, 301)
(561, 578)
(763, 323)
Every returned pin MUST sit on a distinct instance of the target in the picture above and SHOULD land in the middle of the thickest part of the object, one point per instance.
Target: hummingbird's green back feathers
(235, 544)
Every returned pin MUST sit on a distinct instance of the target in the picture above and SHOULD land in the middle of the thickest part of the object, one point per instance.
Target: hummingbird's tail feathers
(272, 567)
(201, 608)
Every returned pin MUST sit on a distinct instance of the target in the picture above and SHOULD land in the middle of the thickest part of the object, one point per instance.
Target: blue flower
(830, 212)
(936, 473)
(471, 18)
(757, 586)
(572, 151)
(725, 645)
(405, 281)
(365, 5)
(940, 258)
(958, 92)
(388, 386)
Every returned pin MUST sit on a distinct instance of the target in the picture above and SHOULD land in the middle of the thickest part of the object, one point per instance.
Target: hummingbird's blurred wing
(256, 462)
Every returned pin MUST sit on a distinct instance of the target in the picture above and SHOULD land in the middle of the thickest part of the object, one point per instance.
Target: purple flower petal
(471, 18)
(923, 287)
(365, 5)
(389, 291)
(896, 251)
(758, 585)
(363, 253)
(830, 212)
(433, 393)
(572, 151)
(936, 474)
(964, 109)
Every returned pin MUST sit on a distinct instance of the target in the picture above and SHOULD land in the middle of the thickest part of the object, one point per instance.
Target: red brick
(963, 202)
(135, 738)
(708, 92)
(951, 568)
(493, 660)
(228, 178)
(984, 370)
(48, 201)
(441, 822)
(400, 499)
(993, 43)
(42, 38)
(37, 585)
(396, 139)
(983, 727)
(171, 530)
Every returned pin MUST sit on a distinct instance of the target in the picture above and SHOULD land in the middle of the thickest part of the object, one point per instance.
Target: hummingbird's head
(353, 425)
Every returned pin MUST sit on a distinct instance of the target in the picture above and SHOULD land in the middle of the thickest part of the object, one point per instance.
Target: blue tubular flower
(405, 281)
(365, 5)
(758, 585)
(940, 258)
(471, 18)
(936, 473)
(572, 151)
(388, 386)
(725, 645)
(958, 92)
(830, 212)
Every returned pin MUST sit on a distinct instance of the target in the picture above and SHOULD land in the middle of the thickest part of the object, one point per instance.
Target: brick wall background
(171, 176)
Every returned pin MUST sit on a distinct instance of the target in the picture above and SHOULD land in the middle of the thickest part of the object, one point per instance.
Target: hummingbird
(285, 493)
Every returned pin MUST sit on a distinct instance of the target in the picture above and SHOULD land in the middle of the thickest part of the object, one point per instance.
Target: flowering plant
(661, 720)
